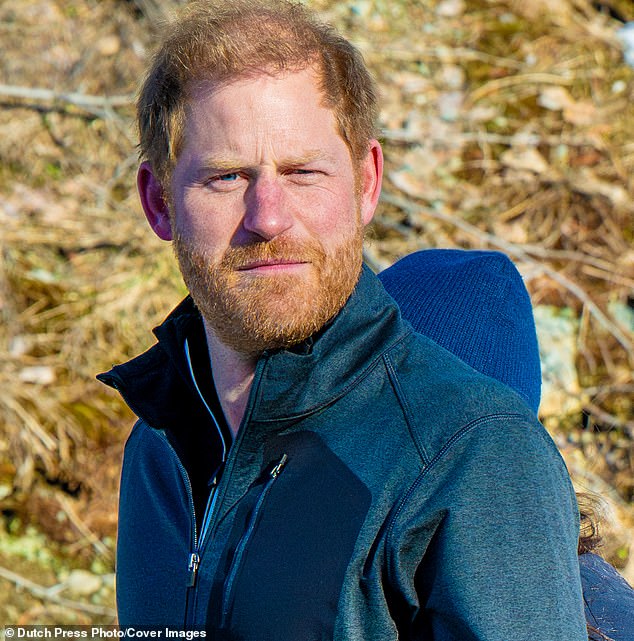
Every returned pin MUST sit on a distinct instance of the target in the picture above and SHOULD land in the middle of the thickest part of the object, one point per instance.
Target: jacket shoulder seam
(407, 412)
(451, 442)
(158, 434)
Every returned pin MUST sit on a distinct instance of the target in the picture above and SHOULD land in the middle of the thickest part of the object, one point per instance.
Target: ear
(371, 174)
(153, 202)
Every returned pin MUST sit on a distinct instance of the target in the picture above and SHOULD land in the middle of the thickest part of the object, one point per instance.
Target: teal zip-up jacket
(378, 489)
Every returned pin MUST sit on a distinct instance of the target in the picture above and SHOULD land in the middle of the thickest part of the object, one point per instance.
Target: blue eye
(227, 177)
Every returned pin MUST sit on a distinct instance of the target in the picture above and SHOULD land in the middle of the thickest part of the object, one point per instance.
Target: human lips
(278, 256)
(273, 264)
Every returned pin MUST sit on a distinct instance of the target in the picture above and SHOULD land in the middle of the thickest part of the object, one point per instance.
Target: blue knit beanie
(474, 304)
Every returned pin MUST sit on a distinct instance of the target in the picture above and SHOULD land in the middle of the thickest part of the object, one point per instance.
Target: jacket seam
(595, 622)
(407, 412)
(451, 442)
(131, 449)
(161, 437)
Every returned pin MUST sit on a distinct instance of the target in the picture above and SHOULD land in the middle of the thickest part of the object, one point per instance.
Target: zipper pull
(275, 472)
(192, 568)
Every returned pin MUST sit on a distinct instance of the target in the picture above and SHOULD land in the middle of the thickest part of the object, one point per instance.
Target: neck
(233, 375)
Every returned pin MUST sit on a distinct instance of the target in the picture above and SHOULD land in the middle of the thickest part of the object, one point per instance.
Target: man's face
(266, 215)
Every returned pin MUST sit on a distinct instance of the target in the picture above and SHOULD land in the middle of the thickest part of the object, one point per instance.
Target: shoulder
(598, 573)
(148, 454)
(446, 399)
(609, 599)
(143, 436)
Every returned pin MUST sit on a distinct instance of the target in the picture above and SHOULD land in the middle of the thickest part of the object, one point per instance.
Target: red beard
(253, 312)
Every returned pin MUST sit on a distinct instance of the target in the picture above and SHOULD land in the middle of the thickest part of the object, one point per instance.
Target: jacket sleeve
(484, 544)
(153, 534)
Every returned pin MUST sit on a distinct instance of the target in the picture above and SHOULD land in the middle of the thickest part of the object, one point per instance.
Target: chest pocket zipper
(240, 550)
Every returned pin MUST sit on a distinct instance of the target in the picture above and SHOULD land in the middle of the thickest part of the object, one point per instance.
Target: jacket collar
(289, 383)
(298, 382)
(157, 385)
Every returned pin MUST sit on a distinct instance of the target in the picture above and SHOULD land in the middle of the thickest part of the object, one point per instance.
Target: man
(304, 466)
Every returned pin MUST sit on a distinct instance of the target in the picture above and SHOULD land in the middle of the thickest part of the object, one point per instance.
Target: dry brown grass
(508, 125)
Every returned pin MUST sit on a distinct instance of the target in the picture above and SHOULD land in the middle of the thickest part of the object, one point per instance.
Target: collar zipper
(193, 561)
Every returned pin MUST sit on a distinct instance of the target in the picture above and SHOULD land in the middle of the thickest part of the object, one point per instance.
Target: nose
(267, 215)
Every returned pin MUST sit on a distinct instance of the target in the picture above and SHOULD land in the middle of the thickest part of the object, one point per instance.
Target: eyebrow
(307, 158)
(219, 163)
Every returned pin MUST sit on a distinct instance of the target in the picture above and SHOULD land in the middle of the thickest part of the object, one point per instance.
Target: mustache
(277, 249)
